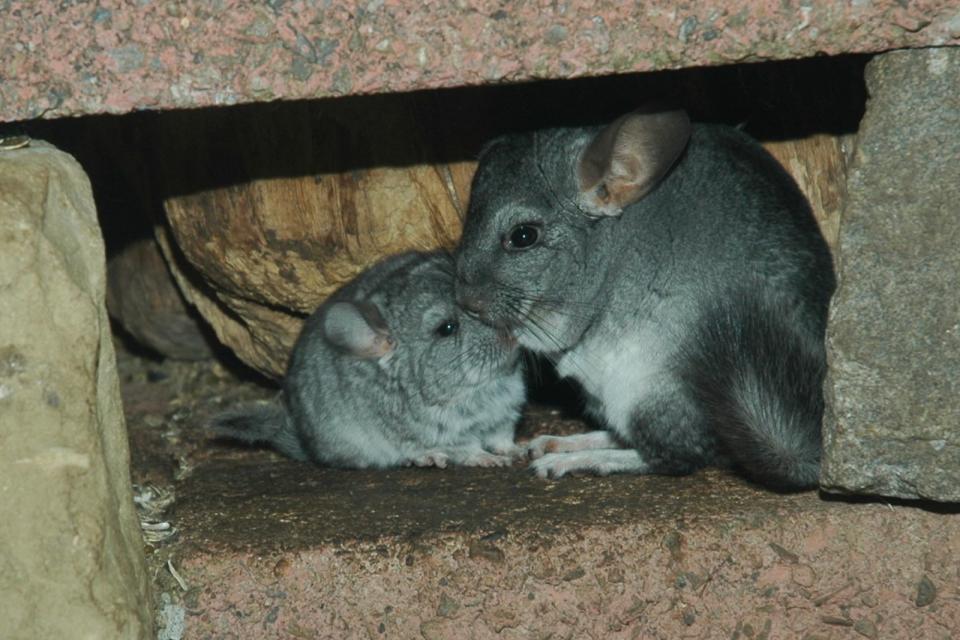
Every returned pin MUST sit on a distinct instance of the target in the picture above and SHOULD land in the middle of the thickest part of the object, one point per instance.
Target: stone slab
(110, 56)
(893, 421)
(269, 548)
(276, 549)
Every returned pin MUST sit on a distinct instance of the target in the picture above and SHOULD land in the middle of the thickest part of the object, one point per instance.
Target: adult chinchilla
(676, 272)
(389, 372)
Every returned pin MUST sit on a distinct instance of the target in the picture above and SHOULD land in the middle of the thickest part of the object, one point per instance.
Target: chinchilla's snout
(472, 301)
(470, 296)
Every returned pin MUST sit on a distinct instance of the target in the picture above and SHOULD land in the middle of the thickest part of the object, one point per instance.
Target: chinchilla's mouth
(511, 323)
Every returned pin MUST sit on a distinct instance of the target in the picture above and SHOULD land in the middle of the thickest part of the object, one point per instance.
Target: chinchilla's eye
(447, 328)
(523, 236)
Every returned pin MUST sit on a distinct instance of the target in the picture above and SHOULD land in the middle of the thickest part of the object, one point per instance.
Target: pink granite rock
(96, 56)
(281, 551)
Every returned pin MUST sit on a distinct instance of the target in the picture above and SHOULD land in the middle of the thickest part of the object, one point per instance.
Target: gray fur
(620, 301)
(370, 383)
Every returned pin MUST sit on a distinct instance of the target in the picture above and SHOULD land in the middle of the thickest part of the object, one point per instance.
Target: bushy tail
(757, 368)
(254, 423)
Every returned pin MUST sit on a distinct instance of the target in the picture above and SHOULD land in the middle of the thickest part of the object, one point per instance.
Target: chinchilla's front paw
(599, 462)
(485, 459)
(434, 458)
(543, 445)
(443, 458)
(552, 466)
(509, 450)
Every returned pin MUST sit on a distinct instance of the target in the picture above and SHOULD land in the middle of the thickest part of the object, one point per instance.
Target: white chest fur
(618, 372)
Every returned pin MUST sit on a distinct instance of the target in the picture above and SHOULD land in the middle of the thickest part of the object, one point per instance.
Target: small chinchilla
(389, 372)
(677, 273)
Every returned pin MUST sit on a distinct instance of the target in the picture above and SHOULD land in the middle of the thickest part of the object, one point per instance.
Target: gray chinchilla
(389, 372)
(676, 272)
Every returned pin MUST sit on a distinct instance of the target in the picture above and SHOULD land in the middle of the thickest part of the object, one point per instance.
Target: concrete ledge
(274, 549)
(108, 56)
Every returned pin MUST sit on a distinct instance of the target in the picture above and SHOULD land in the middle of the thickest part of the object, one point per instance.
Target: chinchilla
(676, 271)
(389, 372)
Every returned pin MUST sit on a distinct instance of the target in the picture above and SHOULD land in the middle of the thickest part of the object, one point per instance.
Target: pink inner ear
(594, 162)
(381, 345)
(629, 157)
(358, 329)
(626, 166)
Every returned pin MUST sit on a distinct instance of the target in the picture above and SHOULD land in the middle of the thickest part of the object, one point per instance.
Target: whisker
(535, 321)
(525, 310)
(462, 356)
(575, 360)
(563, 306)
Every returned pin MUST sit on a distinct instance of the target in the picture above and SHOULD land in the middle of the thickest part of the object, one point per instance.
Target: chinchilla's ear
(358, 329)
(629, 157)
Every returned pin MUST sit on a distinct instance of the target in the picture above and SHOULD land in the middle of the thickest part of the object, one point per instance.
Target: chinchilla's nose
(470, 290)
(470, 299)
(472, 303)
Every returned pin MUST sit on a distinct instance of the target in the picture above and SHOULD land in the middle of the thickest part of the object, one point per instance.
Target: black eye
(447, 328)
(522, 236)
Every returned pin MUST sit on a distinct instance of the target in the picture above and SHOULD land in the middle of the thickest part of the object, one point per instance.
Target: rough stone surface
(71, 559)
(269, 548)
(894, 338)
(279, 550)
(95, 56)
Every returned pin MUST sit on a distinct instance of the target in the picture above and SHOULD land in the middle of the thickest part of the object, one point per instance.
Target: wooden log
(818, 163)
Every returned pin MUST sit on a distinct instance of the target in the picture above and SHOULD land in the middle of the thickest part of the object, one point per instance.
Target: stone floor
(262, 547)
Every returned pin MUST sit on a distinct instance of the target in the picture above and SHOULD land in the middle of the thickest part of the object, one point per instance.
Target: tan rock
(71, 559)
